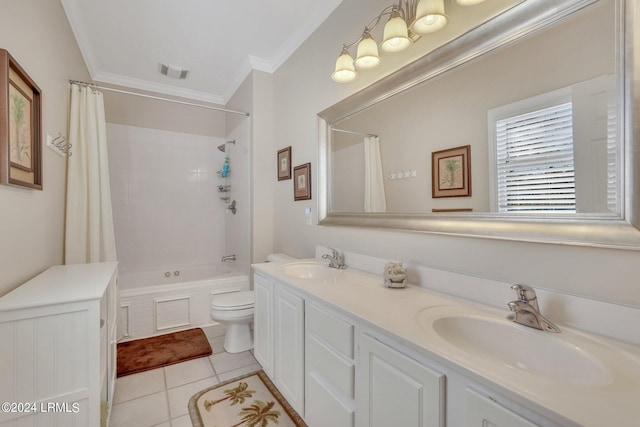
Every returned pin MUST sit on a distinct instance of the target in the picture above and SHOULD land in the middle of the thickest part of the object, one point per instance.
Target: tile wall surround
(603, 318)
(165, 202)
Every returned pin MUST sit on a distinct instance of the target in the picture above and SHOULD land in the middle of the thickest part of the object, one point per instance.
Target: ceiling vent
(173, 71)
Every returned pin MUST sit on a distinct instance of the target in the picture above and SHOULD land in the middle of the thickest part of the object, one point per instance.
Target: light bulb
(430, 17)
(345, 71)
(396, 34)
(367, 54)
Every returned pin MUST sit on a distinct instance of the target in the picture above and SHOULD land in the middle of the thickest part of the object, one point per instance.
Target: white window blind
(534, 160)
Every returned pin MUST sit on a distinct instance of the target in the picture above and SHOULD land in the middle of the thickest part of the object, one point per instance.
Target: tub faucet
(527, 310)
(336, 259)
(228, 258)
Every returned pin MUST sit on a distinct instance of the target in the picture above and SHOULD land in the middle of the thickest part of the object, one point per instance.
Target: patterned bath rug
(251, 400)
(162, 350)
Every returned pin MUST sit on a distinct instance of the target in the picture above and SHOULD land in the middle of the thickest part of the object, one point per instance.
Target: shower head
(223, 147)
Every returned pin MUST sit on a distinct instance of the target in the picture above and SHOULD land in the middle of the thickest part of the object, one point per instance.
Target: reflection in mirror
(539, 114)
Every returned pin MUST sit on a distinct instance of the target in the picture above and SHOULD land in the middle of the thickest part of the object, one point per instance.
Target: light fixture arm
(387, 11)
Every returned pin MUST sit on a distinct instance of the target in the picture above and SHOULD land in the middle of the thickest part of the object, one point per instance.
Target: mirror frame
(586, 230)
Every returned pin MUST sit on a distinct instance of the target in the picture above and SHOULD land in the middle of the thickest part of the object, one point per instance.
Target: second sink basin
(310, 270)
(565, 357)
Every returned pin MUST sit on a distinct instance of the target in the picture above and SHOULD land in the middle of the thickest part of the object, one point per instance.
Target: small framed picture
(284, 164)
(20, 127)
(302, 182)
(451, 172)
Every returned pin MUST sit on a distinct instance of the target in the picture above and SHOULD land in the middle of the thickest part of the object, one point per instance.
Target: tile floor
(159, 398)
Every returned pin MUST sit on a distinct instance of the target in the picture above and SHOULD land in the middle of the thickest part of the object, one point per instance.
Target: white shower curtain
(374, 198)
(89, 224)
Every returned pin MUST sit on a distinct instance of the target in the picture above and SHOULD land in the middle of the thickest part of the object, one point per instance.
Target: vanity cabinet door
(395, 390)
(482, 412)
(263, 338)
(289, 347)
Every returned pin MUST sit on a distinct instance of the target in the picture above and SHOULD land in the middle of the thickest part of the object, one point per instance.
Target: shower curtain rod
(159, 98)
(353, 132)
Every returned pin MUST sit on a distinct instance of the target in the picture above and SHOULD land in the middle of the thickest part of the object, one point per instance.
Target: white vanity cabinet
(279, 338)
(395, 390)
(59, 346)
(330, 367)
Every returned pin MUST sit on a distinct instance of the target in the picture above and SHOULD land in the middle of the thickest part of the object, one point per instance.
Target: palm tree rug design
(248, 401)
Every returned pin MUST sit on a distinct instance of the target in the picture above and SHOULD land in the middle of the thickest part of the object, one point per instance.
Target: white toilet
(235, 310)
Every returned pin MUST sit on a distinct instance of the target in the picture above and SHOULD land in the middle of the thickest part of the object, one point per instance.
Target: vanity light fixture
(425, 16)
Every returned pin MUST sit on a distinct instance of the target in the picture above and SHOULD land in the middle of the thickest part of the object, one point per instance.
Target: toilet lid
(233, 301)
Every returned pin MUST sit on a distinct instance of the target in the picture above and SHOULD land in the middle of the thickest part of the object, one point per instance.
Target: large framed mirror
(542, 98)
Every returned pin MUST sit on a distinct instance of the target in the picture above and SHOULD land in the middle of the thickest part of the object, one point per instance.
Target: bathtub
(158, 302)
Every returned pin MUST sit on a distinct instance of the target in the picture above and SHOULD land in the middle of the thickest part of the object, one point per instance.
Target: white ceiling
(123, 42)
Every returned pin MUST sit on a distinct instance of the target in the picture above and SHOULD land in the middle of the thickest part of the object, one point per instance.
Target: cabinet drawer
(324, 408)
(333, 330)
(335, 369)
(481, 412)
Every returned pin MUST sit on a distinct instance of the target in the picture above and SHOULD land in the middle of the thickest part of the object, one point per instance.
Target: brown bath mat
(155, 352)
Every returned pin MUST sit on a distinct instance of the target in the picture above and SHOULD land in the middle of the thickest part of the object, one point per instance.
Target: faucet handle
(334, 252)
(525, 293)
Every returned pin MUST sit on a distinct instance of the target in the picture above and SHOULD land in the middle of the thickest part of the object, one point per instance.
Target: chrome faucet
(336, 259)
(527, 310)
(228, 258)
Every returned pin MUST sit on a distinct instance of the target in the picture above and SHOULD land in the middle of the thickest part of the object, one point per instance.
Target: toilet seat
(233, 301)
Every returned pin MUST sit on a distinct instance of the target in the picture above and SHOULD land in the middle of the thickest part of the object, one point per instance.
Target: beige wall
(303, 88)
(38, 36)
(263, 166)
(137, 111)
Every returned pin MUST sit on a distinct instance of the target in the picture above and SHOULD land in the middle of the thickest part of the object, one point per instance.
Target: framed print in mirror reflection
(451, 172)
(302, 182)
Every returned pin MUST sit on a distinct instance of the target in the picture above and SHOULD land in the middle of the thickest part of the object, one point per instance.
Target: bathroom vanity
(346, 351)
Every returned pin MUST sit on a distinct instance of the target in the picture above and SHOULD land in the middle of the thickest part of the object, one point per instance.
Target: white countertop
(61, 284)
(396, 311)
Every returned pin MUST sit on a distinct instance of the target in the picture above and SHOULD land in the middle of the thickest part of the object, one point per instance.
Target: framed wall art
(302, 182)
(20, 126)
(451, 172)
(284, 164)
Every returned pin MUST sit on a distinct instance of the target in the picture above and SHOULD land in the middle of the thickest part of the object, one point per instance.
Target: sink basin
(565, 357)
(310, 270)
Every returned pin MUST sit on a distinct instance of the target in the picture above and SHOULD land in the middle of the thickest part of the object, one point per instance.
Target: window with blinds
(534, 161)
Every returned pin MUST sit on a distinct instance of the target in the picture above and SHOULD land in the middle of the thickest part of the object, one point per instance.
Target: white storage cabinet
(58, 352)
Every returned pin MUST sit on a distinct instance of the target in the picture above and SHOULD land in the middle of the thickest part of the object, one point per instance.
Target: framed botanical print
(20, 126)
(284, 164)
(302, 182)
(451, 172)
